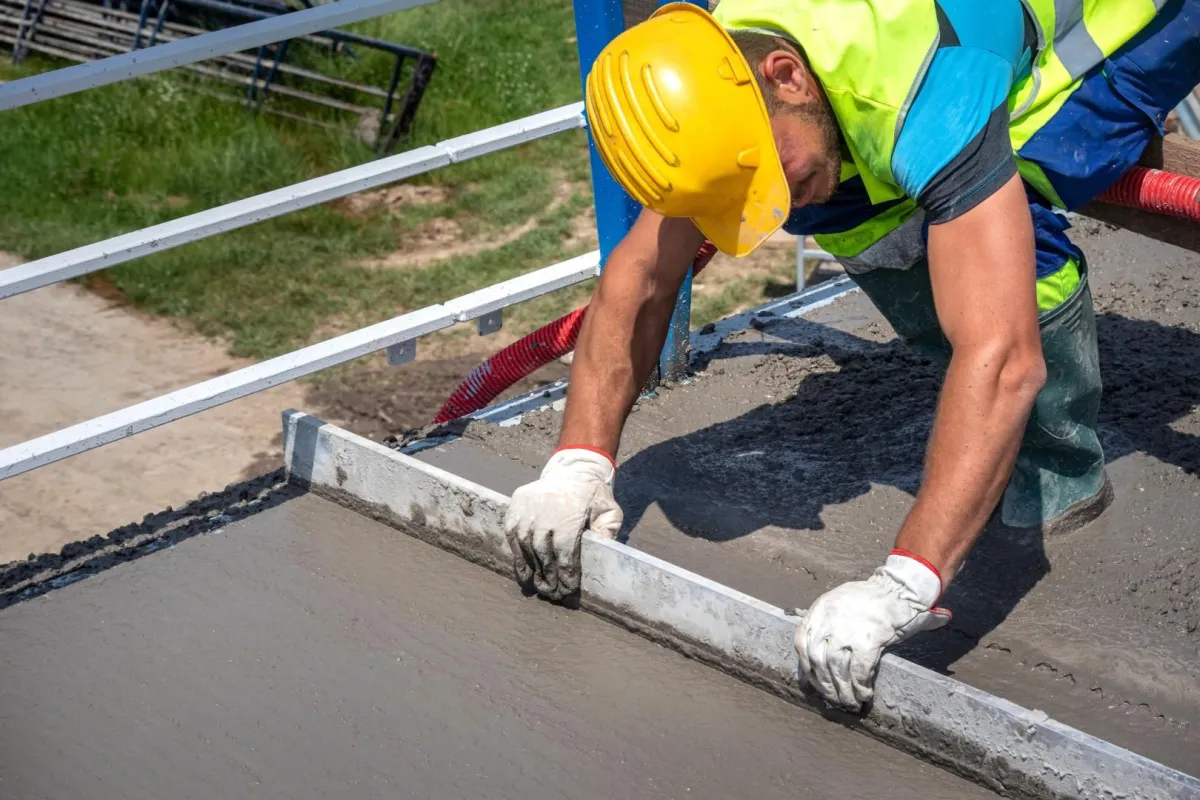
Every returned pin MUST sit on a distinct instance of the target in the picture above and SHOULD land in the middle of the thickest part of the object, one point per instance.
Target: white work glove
(546, 519)
(842, 638)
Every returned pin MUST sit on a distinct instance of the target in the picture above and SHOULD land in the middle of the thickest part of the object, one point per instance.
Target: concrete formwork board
(1017, 751)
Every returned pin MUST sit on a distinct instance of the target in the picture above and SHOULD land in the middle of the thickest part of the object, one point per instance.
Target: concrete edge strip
(1014, 750)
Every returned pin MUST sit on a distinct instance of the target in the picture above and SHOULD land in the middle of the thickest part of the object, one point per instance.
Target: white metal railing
(398, 335)
(803, 256)
(278, 202)
(399, 332)
(113, 69)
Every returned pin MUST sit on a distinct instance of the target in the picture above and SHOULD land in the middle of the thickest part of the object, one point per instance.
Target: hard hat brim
(763, 212)
(679, 120)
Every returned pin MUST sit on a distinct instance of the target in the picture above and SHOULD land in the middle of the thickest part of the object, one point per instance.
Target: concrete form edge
(1017, 751)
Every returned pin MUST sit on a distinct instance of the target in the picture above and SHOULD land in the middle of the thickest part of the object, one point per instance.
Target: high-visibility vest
(871, 56)
(1073, 37)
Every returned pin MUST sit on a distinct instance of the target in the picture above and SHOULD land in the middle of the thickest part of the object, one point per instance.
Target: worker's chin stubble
(828, 139)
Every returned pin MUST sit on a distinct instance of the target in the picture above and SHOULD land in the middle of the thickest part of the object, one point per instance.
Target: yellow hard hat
(680, 122)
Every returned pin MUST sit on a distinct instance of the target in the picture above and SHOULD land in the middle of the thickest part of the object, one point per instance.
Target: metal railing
(238, 214)
(76, 30)
(92, 74)
(596, 22)
(398, 335)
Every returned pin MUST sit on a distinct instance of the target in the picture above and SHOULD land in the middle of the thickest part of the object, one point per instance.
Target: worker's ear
(794, 84)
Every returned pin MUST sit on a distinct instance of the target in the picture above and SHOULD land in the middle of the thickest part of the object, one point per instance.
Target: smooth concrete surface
(1020, 751)
(309, 652)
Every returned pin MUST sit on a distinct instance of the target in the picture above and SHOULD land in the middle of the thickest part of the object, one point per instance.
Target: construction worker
(927, 144)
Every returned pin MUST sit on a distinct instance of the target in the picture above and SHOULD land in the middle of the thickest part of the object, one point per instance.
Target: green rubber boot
(1059, 482)
(905, 298)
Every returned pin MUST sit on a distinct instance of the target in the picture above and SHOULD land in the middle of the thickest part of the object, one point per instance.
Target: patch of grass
(513, 197)
(768, 275)
(99, 163)
(140, 152)
(498, 60)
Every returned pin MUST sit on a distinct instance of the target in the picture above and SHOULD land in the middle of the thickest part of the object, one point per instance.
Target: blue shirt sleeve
(954, 149)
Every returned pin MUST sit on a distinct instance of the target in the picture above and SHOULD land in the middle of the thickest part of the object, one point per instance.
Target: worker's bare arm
(625, 327)
(982, 269)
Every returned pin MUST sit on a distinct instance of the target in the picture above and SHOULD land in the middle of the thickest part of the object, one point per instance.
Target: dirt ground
(787, 464)
(93, 355)
(68, 356)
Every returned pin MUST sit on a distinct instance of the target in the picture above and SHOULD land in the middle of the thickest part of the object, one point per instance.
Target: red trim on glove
(935, 608)
(896, 551)
(595, 450)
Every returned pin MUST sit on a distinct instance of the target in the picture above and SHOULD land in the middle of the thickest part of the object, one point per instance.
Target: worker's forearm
(982, 412)
(619, 342)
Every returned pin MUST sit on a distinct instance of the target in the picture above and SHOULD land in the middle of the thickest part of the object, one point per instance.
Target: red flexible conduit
(526, 356)
(1157, 191)
(521, 358)
(1147, 189)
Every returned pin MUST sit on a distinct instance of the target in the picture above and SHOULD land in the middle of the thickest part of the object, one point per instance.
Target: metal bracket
(490, 323)
(402, 352)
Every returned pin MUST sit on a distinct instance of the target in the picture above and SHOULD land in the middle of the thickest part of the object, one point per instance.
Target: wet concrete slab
(787, 464)
(306, 651)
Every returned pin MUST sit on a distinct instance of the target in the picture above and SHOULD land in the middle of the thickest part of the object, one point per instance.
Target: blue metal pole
(676, 352)
(597, 22)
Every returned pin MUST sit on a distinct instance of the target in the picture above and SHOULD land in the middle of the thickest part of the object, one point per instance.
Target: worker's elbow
(1013, 368)
(1022, 374)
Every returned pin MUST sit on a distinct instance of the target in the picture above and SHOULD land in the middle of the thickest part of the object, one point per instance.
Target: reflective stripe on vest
(1073, 37)
(1084, 34)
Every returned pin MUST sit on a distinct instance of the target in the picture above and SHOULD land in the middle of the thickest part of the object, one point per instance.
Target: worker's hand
(546, 519)
(841, 639)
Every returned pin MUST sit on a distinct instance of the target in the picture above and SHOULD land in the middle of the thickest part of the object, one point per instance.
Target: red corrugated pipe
(1157, 191)
(521, 358)
(1147, 189)
(526, 356)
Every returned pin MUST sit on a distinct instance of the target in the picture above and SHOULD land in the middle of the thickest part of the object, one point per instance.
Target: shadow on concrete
(24, 580)
(863, 419)
(1151, 377)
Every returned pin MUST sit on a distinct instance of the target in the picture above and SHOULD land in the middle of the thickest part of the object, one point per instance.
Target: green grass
(739, 294)
(86, 167)
(99, 163)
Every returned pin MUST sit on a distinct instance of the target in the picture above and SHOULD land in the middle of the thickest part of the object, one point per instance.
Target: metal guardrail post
(143, 15)
(673, 362)
(597, 22)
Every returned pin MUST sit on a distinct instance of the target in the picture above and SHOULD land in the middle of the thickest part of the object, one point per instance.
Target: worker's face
(805, 132)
